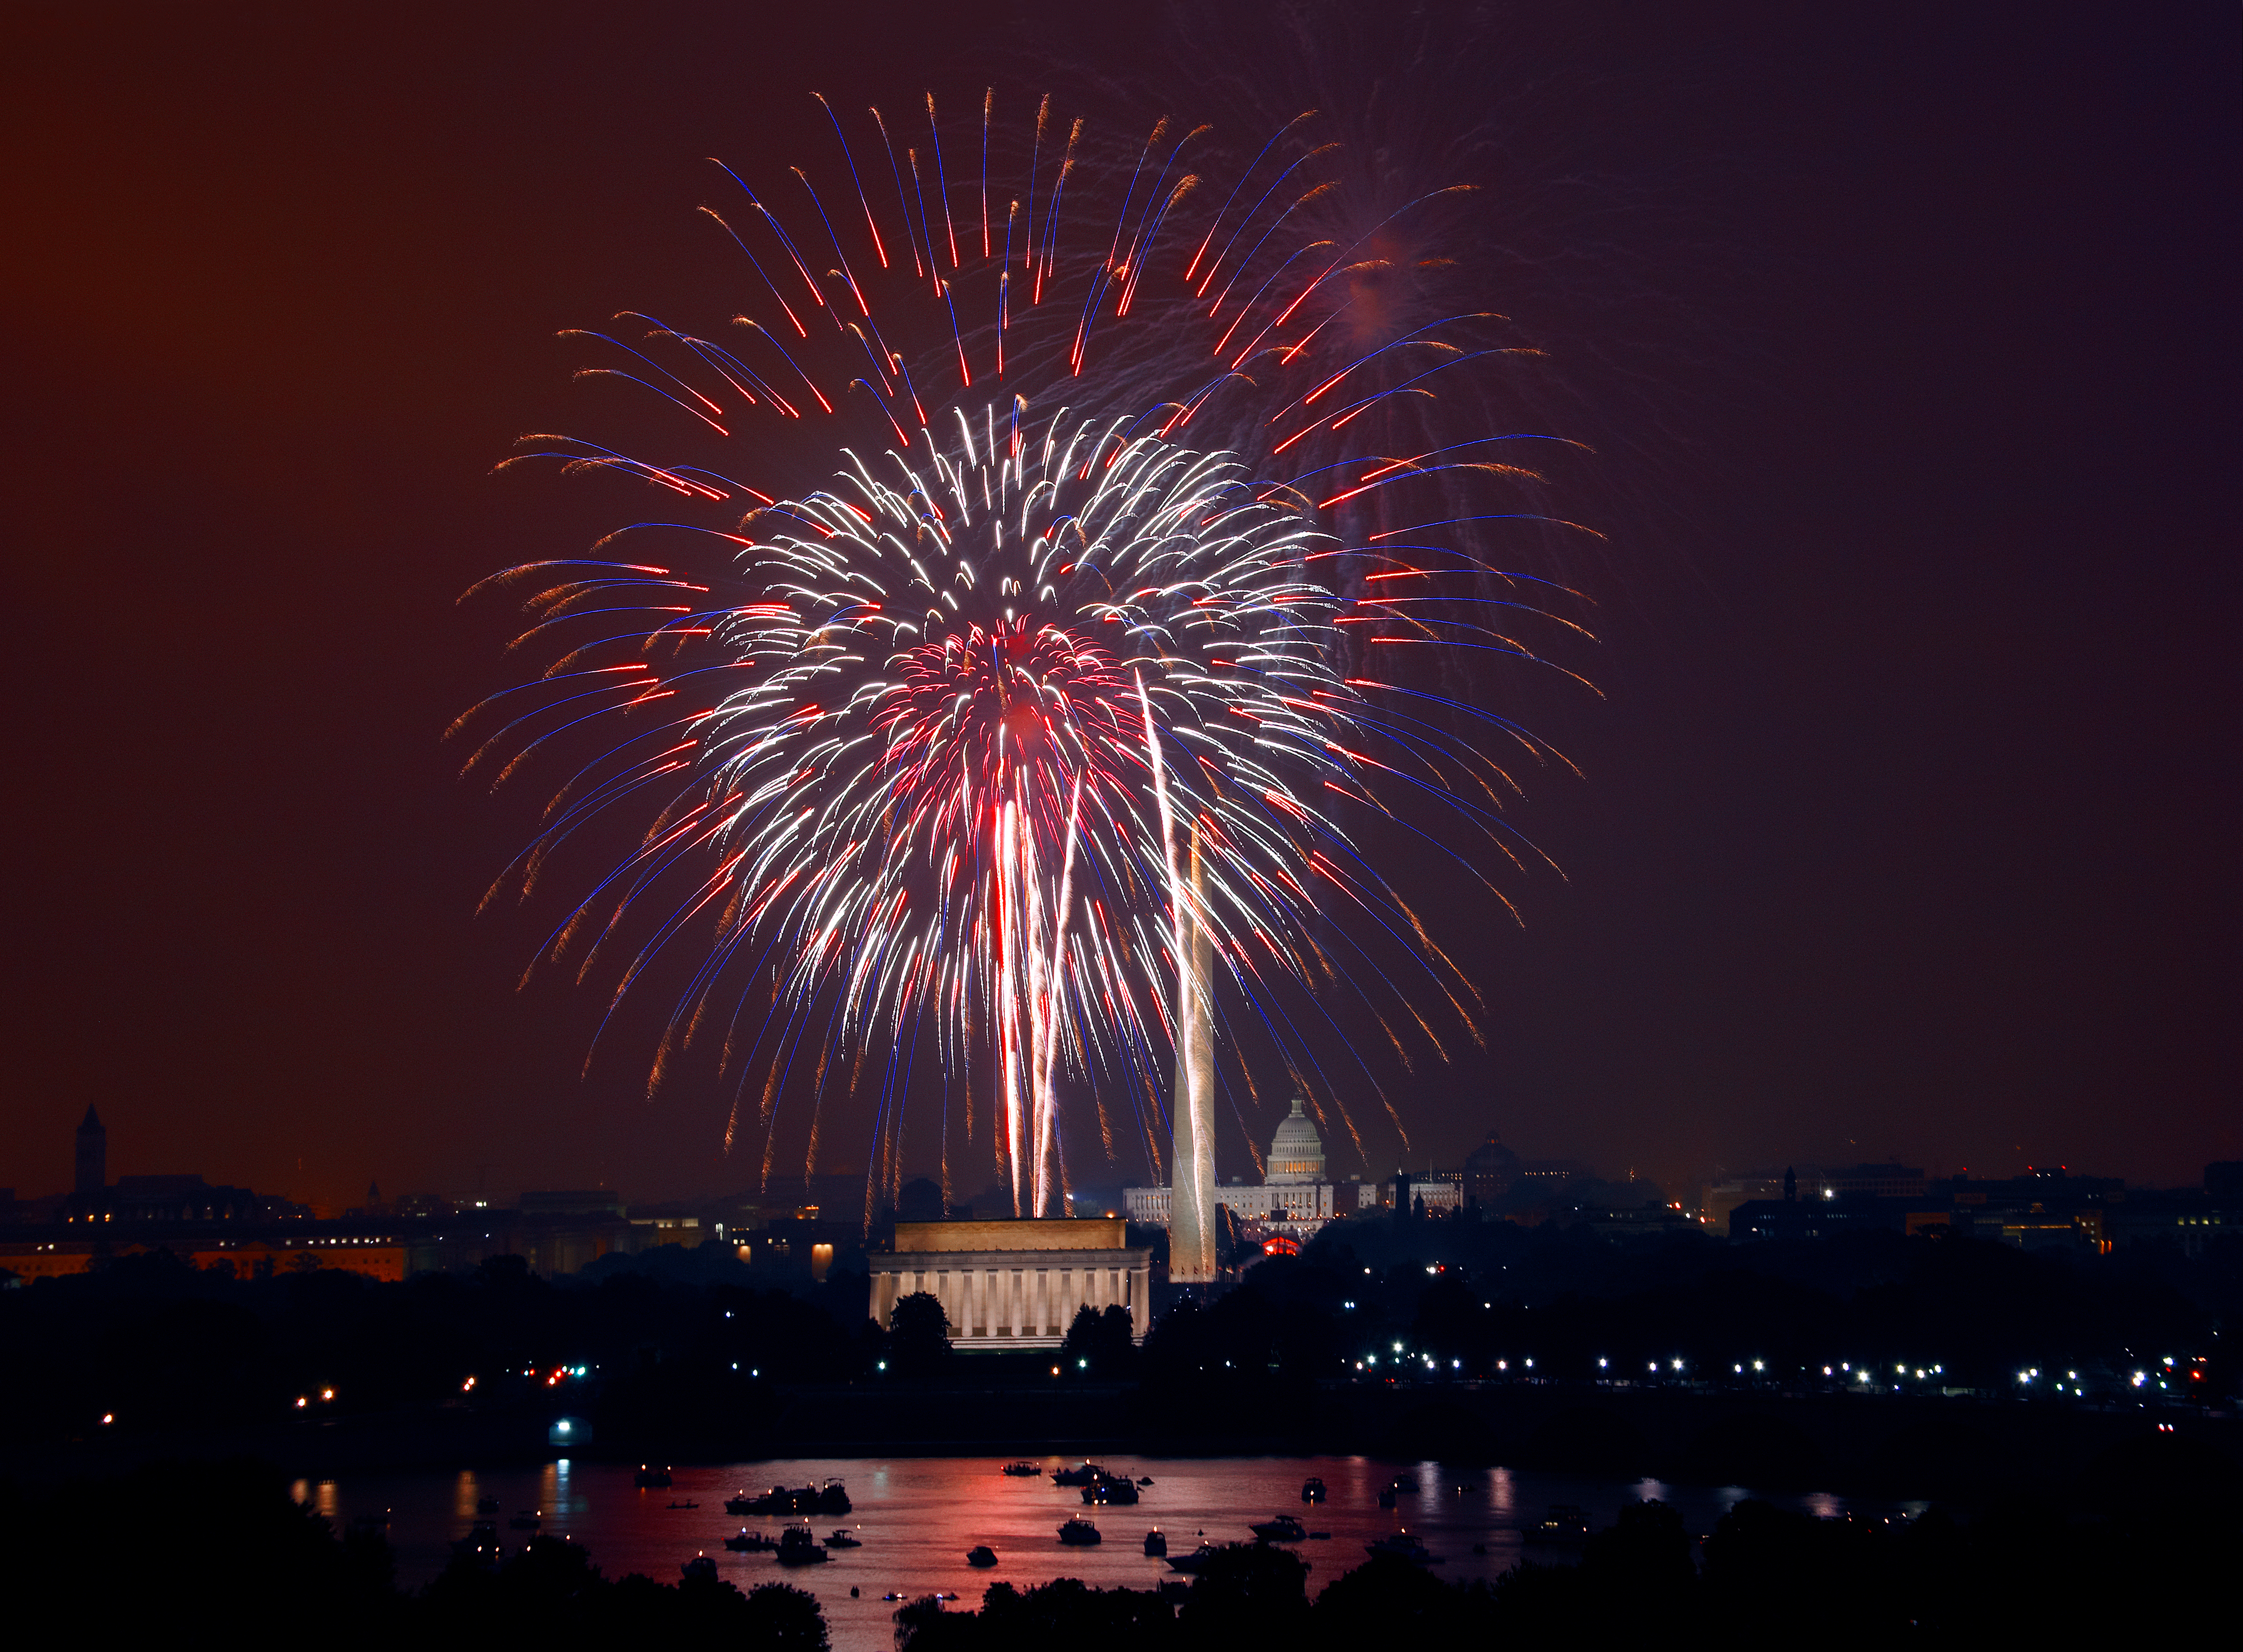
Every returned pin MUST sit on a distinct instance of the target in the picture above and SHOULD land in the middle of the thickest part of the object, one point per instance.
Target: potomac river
(917, 1516)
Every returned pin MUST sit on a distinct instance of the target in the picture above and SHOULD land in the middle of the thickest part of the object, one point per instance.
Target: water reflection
(917, 1517)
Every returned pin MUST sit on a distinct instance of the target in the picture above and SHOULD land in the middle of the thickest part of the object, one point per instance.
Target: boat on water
(1023, 1470)
(1084, 1476)
(1146, 1481)
(1156, 1546)
(1280, 1528)
(798, 1546)
(782, 1500)
(701, 1566)
(980, 1554)
(1405, 1482)
(674, 1503)
(1119, 1489)
(833, 1498)
(1079, 1533)
(1386, 1497)
(747, 1542)
(1197, 1559)
(1565, 1524)
(1312, 1490)
(528, 1520)
(480, 1543)
(842, 1538)
(1402, 1546)
(648, 1476)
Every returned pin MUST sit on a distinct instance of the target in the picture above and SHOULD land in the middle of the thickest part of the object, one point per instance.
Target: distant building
(92, 1157)
(1147, 1205)
(1869, 1181)
(1815, 1182)
(1440, 1192)
(1015, 1284)
(1491, 1170)
(587, 1202)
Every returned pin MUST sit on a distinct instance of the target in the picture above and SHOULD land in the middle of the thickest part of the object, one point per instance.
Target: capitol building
(1294, 1197)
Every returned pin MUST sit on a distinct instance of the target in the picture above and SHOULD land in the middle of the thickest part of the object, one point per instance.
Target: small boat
(748, 1543)
(480, 1543)
(674, 1503)
(1022, 1471)
(980, 1554)
(1156, 1546)
(833, 1498)
(1402, 1546)
(1079, 1533)
(1196, 1559)
(1147, 1480)
(528, 1520)
(1280, 1528)
(841, 1539)
(739, 1503)
(1405, 1482)
(1386, 1498)
(1312, 1490)
(647, 1477)
(1565, 1524)
(1106, 1490)
(798, 1546)
(486, 1506)
(1084, 1476)
(700, 1566)
(1319, 1537)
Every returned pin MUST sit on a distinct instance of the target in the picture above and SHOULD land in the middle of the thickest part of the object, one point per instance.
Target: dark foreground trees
(182, 1556)
(2009, 1574)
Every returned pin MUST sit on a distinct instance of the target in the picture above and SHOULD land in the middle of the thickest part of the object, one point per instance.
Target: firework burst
(925, 747)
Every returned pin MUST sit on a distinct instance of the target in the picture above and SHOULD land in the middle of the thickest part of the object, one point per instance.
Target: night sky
(1908, 821)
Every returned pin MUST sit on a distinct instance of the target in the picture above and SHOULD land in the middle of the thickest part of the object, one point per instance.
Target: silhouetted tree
(1100, 1339)
(919, 1336)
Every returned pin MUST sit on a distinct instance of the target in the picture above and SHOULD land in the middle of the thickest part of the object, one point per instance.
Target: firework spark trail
(1016, 639)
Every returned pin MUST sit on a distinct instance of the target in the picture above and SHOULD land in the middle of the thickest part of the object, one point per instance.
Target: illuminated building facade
(1015, 1284)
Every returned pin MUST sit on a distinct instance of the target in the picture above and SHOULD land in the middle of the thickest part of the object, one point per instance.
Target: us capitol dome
(1296, 1152)
(1294, 1197)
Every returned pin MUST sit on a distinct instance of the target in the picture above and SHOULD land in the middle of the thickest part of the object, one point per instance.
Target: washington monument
(1191, 1194)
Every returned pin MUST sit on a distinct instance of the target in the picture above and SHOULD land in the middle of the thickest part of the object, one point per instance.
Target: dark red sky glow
(1907, 823)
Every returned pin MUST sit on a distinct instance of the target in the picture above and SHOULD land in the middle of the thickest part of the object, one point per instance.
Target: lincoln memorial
(1015, 1284)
